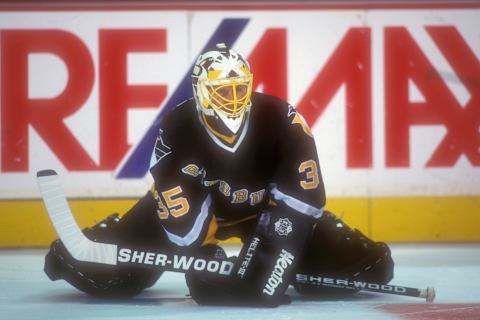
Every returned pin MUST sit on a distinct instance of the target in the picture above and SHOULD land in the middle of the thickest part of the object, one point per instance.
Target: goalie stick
(83, 249)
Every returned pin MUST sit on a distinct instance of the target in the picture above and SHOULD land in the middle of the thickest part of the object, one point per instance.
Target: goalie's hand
(263, 269)
(209, 289)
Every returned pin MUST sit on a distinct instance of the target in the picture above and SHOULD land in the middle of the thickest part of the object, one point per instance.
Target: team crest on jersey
(283, 226)
(192, 170)
(298, 119)
(161, 149)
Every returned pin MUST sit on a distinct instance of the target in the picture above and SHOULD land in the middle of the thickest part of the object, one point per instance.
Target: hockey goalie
(230, 162)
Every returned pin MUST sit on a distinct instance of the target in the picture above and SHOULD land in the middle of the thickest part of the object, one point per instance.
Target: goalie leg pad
(138, 227)
(97, 279)
(336, 250)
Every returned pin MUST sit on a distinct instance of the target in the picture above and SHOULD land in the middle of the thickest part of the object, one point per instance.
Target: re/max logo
(348, 66)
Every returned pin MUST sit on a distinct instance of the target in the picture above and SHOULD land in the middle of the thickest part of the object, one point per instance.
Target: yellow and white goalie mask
(222, 85)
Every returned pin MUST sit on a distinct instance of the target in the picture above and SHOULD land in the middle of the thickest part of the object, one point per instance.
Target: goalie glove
(262, 271)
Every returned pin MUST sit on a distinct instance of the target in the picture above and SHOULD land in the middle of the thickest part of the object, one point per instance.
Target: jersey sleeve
(182, 204)
(297, 186)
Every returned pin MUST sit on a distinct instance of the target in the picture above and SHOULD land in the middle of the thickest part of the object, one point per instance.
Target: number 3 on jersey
(171, 204)
(311, 171)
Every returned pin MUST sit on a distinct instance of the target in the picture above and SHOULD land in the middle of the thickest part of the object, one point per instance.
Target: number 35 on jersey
(171, 202)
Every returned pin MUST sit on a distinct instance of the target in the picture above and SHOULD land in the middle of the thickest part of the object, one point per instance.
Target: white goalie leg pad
(77, 244)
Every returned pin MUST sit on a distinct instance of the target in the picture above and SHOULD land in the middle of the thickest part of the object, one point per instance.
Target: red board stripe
(432, 311)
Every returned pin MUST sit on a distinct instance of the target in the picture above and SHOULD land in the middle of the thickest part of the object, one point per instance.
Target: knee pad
(336, 250)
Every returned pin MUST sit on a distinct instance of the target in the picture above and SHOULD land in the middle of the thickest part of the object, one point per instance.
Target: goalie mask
(222, 85)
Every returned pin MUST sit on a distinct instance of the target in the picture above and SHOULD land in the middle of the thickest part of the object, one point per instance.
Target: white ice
(27, 293)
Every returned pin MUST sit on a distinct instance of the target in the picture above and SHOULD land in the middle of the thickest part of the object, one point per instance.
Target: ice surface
(27, 293)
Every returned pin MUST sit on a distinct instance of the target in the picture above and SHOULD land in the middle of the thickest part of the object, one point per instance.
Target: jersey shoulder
(180, 117)
(271, 104)
(178, 128)
(277, 113)
(181, 124)
(269, 110)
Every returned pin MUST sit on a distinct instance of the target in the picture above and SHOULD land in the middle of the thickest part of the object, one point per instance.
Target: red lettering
(268, 63)
(350, 65)
(116, 96)
(466, 136)
(405, 61)
(46, 116)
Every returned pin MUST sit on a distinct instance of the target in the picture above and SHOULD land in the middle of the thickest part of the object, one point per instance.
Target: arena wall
(390, 89)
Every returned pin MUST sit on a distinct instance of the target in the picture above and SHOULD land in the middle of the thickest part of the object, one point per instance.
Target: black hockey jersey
(204, 179)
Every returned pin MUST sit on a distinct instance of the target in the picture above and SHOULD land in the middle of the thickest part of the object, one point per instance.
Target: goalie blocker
(331, 248)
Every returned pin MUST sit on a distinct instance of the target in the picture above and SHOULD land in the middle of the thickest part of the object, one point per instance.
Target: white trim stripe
(194, 233)
(296, 204)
